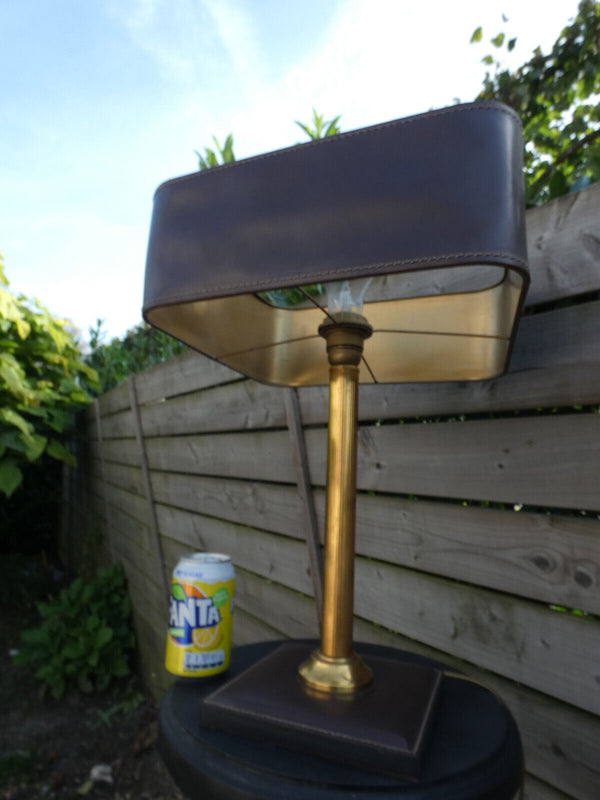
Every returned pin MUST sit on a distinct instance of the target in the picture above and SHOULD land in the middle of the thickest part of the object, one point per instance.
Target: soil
(48, 748)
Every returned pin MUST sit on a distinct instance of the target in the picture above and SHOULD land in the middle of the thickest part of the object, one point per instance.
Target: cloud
(237, 35)
(179, 35)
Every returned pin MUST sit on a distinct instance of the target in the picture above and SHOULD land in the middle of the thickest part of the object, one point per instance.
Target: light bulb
(347, 296)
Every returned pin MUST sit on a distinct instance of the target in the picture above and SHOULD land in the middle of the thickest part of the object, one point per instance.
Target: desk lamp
(401, 245)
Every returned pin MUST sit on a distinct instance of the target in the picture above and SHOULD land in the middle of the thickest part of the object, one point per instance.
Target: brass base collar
(331, 675)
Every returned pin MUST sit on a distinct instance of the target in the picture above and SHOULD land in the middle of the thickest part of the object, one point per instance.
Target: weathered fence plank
(114, 401)
(561, 743)
(547, 557)
(247, 630)
(564, 246)
(128, 478)
(544, 461)
(119, 425)
(276, 558)
(243, 405)
(287, 611)
(537, 790)
(235, 455)
(187, 373)
(547, 650)
(266, 506)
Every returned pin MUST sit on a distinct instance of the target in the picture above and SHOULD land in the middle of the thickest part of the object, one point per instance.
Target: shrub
(84, 639)
(40, 386)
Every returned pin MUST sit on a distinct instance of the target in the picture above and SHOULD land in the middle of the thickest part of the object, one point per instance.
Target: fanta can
(200, 615)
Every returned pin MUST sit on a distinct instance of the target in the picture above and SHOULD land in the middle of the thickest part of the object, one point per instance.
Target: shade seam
(308, 277)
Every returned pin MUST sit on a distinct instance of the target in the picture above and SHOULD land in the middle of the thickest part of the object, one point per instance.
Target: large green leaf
(10, 476)
(12, 417)
(103, 636)
(13, 378)
(35, 446)
(12, 439)
(23, 328)
(60, 452)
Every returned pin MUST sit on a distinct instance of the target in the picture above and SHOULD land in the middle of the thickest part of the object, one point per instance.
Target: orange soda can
(200, 615)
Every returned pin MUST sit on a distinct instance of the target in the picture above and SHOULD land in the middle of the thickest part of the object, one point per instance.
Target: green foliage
(130, 699)
(556, 97)
(211, 159)
(477, 35)
(288, 298)
(84, 639)
(141, 347)
(321, 128)
(40, 385)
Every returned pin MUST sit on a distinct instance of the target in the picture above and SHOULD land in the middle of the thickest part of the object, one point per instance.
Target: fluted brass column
(335, 668)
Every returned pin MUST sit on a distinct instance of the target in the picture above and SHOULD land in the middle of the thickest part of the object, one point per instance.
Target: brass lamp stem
(335, 668)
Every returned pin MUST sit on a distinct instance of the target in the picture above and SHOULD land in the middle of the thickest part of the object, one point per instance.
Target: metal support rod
(335, 668)
(338, 589)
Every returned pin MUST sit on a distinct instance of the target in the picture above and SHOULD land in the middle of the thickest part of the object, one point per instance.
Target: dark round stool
(474, 752)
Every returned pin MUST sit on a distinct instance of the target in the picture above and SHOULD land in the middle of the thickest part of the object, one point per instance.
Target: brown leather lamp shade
(429, 207)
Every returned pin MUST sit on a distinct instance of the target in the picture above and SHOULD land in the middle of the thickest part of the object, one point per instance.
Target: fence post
(292, 409)
(107, 512)
(139, 435)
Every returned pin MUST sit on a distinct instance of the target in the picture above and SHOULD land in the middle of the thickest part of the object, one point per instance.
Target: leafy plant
(84, 639)
(141, 347)
(556, 97)
(130, 699)
(319, 130)
(211, 159)
(40, 386)
(321, 127)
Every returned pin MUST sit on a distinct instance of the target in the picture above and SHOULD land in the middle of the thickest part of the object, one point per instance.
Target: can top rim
(207, 558)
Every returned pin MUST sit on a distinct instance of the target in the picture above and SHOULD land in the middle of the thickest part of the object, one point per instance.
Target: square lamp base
(382, 728)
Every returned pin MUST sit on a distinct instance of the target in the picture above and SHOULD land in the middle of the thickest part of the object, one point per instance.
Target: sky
(103, 100)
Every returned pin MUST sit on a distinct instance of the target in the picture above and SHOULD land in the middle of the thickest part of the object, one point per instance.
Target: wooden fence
(478, 533)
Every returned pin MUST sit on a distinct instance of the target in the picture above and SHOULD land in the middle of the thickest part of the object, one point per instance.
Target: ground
(48, 748)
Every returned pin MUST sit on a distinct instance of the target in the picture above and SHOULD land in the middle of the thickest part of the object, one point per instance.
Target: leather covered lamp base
(473, 753)
(384, 727)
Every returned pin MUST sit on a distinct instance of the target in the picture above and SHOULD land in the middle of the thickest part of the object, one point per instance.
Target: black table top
(474, 752)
